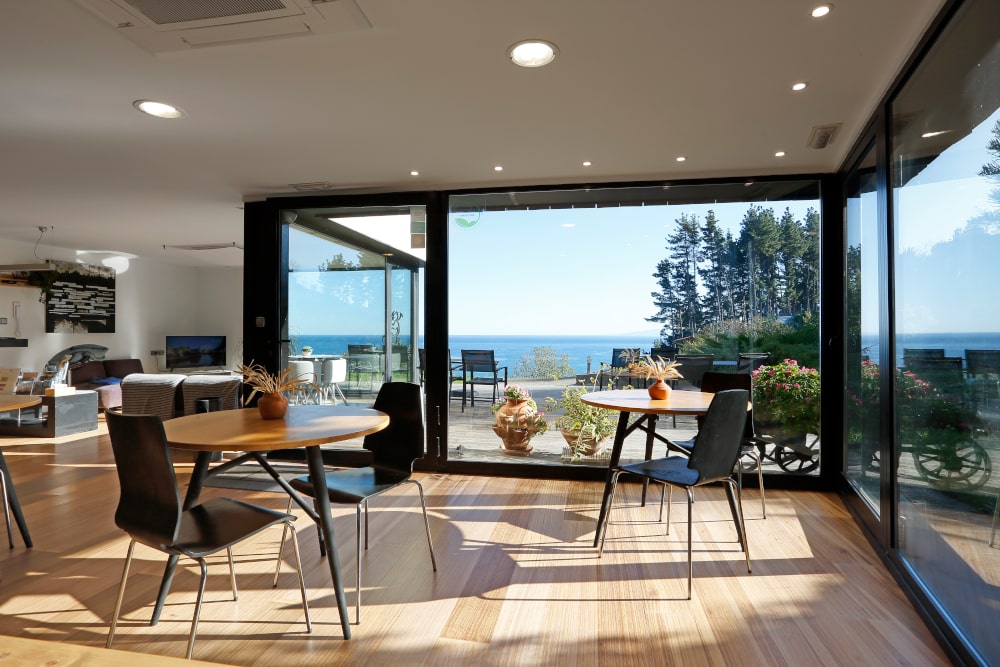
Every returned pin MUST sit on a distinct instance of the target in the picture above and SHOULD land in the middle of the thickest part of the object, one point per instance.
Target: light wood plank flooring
(518, 582)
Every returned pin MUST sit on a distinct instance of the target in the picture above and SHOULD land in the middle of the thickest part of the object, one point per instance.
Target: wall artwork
(78, 298)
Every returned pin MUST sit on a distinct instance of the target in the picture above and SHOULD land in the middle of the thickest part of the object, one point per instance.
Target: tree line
(709, 277)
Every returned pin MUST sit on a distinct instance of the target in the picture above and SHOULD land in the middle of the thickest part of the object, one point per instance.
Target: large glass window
(945, 157)
(565, 287)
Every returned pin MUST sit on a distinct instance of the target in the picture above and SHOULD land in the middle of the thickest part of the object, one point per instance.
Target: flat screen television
(195, 351)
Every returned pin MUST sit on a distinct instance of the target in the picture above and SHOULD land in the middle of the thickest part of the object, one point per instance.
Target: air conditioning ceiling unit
(160, 25)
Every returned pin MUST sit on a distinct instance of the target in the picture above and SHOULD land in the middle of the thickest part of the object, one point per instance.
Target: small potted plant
(660, 369)
(273, 404)
(307, 350)
(585, 428)
(517, 420)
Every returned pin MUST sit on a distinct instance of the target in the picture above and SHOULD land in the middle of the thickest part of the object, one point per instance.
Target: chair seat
(352, 485)
(220, 523)
(672, 469)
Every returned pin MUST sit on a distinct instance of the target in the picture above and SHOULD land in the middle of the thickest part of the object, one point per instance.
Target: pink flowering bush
(788, 394)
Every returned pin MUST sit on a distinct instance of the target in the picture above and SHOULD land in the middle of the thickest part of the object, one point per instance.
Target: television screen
(195, 351)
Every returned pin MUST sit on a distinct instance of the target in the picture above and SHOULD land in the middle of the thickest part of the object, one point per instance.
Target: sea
(587, 352)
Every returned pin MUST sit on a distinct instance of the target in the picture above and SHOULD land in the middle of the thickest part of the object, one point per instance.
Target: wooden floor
(518, 581)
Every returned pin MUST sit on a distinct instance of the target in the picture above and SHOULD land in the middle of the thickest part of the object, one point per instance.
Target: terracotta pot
(659, 390)
(586, 445)
(514, 425)
(272, 406)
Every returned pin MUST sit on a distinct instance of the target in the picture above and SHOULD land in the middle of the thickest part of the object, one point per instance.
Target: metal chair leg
(281, 545)
(232, 573)
(121, 594)
(427, 523)
(298, 570)
(690, 561)
(197, 606)
(6, 509)
(357, 553)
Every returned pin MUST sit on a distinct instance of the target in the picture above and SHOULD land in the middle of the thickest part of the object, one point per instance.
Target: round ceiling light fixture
(822, 10)
(158, 109)
(801, 85)
(533, 53)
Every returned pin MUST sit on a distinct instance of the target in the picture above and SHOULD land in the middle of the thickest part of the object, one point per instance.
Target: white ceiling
(427, 87)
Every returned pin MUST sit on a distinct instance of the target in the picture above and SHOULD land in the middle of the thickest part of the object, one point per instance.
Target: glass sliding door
(559, 291)
(862, 402)
(945, 178)
(353, 296)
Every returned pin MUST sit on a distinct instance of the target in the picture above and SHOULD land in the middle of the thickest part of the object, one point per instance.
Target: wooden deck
(518, 582)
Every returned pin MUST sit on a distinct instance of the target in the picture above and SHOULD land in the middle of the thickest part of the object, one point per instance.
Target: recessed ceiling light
(928, 135)
(780, 154)
(680, 158)
(498, 168)
(158, 109)
(414, 173)
(586, 163)
(822, 10)
(801, 85)
(533, 53)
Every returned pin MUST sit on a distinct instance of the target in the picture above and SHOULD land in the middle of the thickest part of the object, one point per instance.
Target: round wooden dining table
(637, 401)
(307, 426)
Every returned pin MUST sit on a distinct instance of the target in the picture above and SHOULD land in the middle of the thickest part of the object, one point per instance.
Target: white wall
(153, 300)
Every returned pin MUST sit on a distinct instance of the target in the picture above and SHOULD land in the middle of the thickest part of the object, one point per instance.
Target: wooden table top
(638, 400)
(17, 401)
(244, 430)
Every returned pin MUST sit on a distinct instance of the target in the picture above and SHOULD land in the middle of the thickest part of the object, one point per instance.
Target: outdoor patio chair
(479, 367)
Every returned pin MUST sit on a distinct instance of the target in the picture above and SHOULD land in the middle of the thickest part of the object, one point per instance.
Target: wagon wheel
(797, 458)
(790, 460)
(961, 466)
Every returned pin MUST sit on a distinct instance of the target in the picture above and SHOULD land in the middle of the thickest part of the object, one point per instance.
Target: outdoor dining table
(637, 401)
(15, 402)
(307, 426)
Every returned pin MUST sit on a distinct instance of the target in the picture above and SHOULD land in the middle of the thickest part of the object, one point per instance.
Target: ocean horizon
(592, 350)
(508, 350)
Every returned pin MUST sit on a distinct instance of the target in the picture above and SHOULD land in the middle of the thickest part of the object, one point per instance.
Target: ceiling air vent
(205, 246)
(158, 25)
(822, 135)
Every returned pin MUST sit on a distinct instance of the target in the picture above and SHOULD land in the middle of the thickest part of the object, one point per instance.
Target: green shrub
(543, 362)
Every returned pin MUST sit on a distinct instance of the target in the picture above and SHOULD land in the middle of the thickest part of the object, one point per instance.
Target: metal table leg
(13, 504)
(317, 474)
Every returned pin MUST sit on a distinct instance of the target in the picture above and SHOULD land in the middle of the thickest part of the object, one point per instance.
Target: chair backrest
(622, 356)
(980, 362)
(665, 353)
(334, 371)
(748, 362)
(718, 443)
(713, 382)
(694, 366)
(303, 370)
(402, 442)
(479, 361)
(923, 352)
(944, 373)
(149, 508)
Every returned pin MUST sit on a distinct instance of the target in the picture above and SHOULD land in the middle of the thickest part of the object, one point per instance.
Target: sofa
(105, 378)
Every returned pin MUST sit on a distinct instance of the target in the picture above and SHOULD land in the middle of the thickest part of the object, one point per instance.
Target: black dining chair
(394, 450)
(150, 511)
(480, 367)
(714, 382)
(711, 460)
